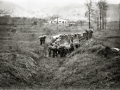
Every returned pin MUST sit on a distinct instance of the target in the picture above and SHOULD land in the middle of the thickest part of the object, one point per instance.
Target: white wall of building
(59, 20)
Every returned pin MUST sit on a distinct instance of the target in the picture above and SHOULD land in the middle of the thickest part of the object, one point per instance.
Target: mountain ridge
(72, 12)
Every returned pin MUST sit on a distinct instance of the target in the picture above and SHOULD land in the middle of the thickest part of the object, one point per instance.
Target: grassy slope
(84, 68)
(88, 68)
(22, 60)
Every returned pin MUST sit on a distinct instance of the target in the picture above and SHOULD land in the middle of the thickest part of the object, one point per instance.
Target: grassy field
(110, 37)
(23, 64)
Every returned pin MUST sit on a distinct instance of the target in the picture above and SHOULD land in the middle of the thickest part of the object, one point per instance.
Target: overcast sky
(52, 3)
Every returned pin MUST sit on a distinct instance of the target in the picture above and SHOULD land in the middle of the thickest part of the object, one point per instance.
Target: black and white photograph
(59, 44)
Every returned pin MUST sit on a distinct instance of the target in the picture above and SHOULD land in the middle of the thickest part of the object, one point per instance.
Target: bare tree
(95, 16)
(100, 9)
(89, 12)
(5, 12)
(103, 7)
(119, 16)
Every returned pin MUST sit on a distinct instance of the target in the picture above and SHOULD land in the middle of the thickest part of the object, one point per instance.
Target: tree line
(8, 20)
(97, 12)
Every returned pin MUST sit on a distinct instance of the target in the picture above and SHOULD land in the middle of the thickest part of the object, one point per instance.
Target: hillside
(72, 12)
(77, 11)
(18, 11)
(89, 68)
(23, 64)
(85, 68)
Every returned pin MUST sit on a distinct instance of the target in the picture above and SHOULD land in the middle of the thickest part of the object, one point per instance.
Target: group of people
(63, 44)
(56, 50)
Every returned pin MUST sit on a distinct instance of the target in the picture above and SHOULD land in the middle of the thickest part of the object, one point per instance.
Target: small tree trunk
(100, 18)
(97, 23)
(89, 19)
(105, 21)
(119, 16)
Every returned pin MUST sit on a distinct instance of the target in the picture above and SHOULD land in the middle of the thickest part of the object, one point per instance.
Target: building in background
(58, 21)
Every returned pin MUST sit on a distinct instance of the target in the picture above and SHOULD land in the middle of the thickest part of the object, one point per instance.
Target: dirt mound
(16, 68)
(93, 65)
(89, 67)
(27, 69)
(96, 47)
